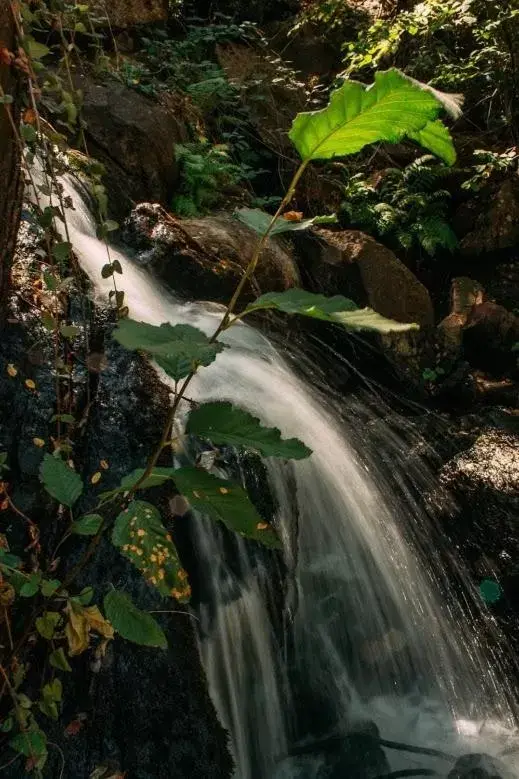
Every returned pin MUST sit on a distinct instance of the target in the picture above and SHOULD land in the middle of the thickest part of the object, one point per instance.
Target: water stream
(372, 630)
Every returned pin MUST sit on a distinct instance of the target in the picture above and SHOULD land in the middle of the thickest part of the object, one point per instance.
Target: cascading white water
(371, 630)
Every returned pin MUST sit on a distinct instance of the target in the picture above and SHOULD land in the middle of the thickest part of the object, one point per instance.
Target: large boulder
(352, 263)
(134, 137)
(205, 258)
(128, 13)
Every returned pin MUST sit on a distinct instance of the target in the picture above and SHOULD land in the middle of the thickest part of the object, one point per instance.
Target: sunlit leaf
(259, 221)
(337, 309)
(392, 108)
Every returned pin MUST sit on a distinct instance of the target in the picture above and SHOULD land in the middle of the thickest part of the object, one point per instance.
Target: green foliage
(226, 502)
(132, 623)
(177, 349)
(487, 164)
(465, 45)
(408, 207)
(259, 221)
(393, 108)
(88, 525)
(142, 538)
(208, 175)
(337, 309)
(60, 481)
(223, 423)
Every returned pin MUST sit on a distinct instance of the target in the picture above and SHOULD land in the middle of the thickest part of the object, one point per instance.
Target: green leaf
(6, 99)
(337, 309)
(223, 423)
(88, 525)
(28, 133)
(177, 349)
(226, 502)
(259, 221)
(143, 539)
(34, 49)
(58, 660)
(110, 226)
(60, 481)
(6, 558)
(49, 587)
(33, 744)
(31, 586)
(436, 137)
(47, 624)
(85, 596)
(392, 108)
(157, 478)
(61, 251)
(132, 623)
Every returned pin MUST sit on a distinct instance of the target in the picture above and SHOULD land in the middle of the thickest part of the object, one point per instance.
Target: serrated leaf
(132, 623)
(60, 481)
(58, 660)
(392, 108)
(223, 423)
(436, 137)
(143, 539)
(259, 221)
(226, 502)
(337, 309)
(176, 348)
(88, 525)
(47, 624)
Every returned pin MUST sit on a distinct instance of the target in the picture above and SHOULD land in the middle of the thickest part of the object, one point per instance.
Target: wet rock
(128, 13)
(491, 465)
(479, 767)
(134, 137)
(490, 221)
(352, 263)
(205, 258)
(489, 335)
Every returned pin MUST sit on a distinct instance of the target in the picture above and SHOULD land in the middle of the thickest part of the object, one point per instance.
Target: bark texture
(10, 169)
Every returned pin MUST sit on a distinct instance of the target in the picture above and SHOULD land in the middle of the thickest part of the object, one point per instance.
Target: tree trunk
(11, 179)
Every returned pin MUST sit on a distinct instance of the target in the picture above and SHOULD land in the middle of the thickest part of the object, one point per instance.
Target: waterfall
(371, 630)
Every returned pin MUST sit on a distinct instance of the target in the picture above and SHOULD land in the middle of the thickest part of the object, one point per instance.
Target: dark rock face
(145, 712)
(134, 137)
(479, 767)
(205, 258)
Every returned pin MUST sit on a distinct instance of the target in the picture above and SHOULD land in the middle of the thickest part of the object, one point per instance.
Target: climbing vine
(38, 595)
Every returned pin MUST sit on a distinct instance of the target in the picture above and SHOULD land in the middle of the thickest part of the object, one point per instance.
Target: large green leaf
(259, 221)
(60, 481)
(337, 309)
(392, 108)
(176, 348)
(143, 539)
(223, 423)
(226, 502)
(132, 623)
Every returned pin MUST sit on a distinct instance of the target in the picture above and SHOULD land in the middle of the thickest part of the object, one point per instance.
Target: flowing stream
(370, 628)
